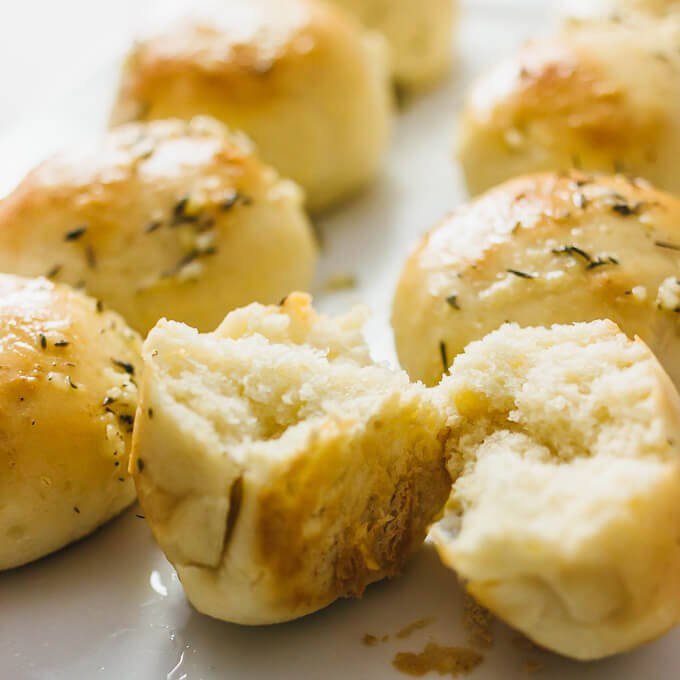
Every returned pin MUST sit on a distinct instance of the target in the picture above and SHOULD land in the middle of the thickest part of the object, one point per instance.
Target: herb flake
(76, 233)
(666, 244)
(573, 251)
(127, 367)
(521, 275)
(444, 355)
(452, 301)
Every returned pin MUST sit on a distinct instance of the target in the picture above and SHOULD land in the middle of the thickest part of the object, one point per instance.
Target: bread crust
(68, 396)
(543, 249)
(419, 34)
(300, 77)
(166, 218)
(572, 101)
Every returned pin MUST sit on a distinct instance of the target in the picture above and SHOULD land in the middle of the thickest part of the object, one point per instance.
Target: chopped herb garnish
(43, 341)
(127, 367)
(99, 306)
(107, 401)
(71, 383)
(666, 244)
(283, 301)
(140, 517)
(150, 413)
(521, 275)
(600, 262)
(90, 256)
(126, 418)
(580, 201)
(75, 234)
(627, 210)
(54, 271)
(152, 226)
(452, 300)
(572, 250)
(61, 343)
(76, 509)
(236, 197)
(179, 215)
(444, 356)
(178, 210)
(140, 464)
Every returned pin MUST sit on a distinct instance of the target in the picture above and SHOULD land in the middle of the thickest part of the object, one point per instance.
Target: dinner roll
(565, 519)
(278, 467)
(419, 35)
(301, 77)
(552, 248)
(67, 402)
(602, 95)
(166, 219)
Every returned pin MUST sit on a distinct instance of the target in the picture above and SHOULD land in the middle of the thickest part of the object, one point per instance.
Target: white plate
(111, 607)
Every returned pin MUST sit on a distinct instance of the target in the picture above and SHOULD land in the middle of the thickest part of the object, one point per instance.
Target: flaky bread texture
(565, 516)
(280, 468)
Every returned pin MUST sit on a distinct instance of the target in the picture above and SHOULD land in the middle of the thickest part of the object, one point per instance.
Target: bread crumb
(453, 661)
(477, 621)
(416, 625)
(532, 666)
(371, 640)
(523, 642)
(340, 282)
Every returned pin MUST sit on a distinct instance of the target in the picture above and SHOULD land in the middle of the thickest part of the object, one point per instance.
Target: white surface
(111, 607)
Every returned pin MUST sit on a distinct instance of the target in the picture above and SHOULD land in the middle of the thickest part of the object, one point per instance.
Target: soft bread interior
(282, 466)
(564, 518)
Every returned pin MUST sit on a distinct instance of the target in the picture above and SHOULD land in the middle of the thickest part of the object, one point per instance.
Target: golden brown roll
(539, 250)
(419, 35)
(564, 518)
(68, 396)
(602, 95)
(300, 77)
(166, 219)
(278, 466)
